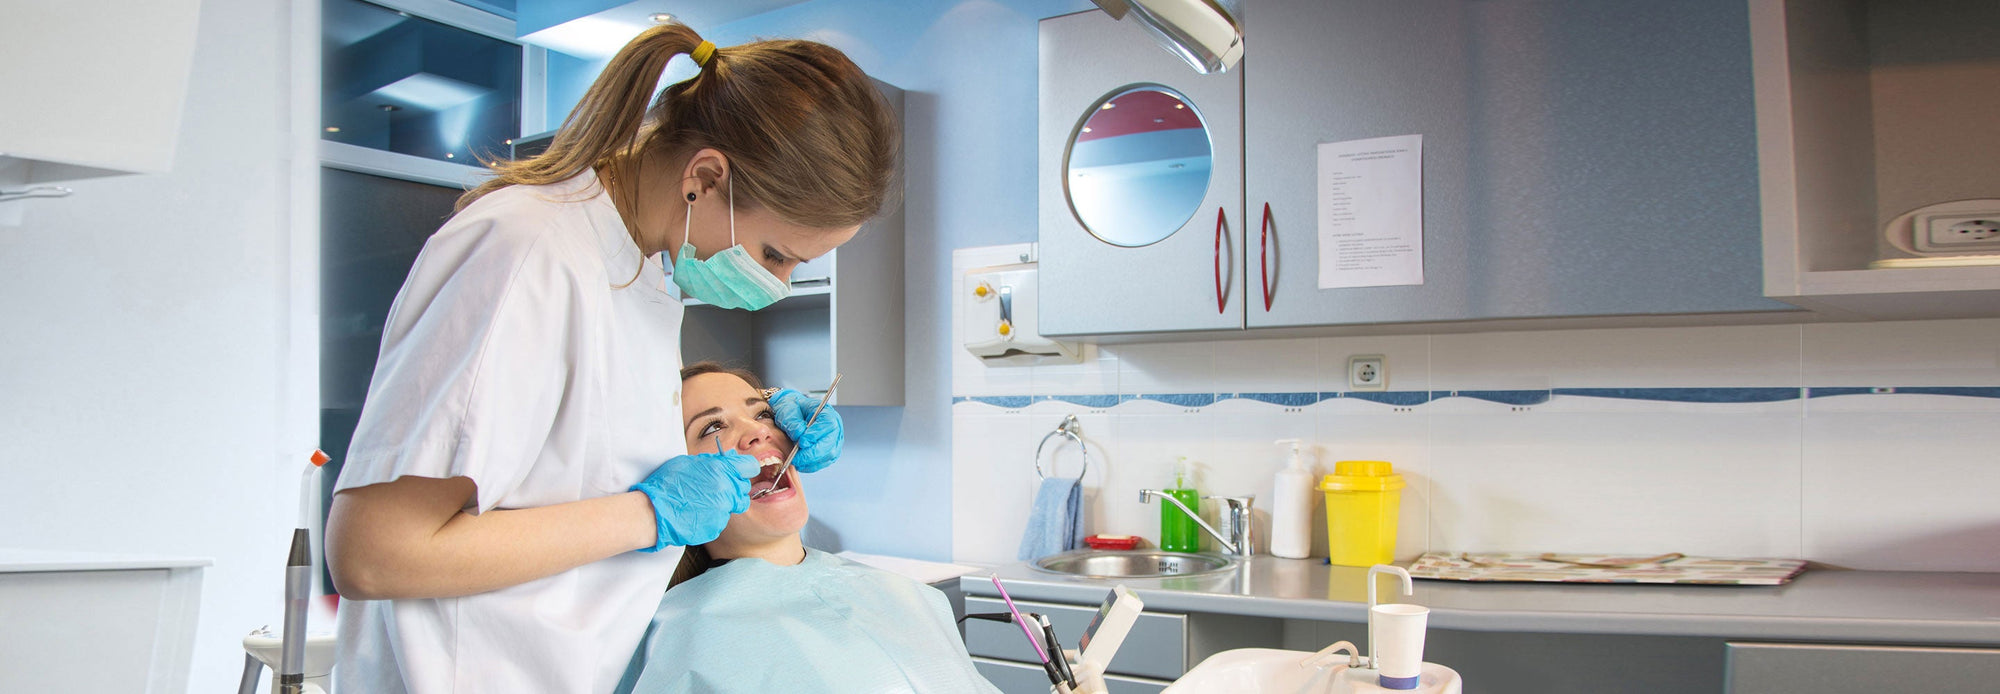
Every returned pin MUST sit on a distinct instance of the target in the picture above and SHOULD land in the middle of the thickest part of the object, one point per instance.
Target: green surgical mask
(730, 279)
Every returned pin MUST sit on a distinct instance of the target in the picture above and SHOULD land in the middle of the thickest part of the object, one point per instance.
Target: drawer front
(1018, 678)
(1785, 668)
(89, 631)
(1156, 647)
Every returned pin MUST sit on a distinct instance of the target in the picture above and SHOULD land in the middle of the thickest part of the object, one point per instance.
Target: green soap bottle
(1178, 532)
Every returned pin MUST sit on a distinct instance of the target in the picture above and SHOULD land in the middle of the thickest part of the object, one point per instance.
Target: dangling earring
(690, 197)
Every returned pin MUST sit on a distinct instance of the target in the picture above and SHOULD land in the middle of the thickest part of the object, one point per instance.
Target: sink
(1132, 564)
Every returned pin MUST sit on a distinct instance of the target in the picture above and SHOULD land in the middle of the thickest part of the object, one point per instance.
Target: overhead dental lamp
(1199, 31)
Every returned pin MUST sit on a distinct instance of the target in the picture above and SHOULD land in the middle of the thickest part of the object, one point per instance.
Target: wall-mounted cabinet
(1141, 168)
(845, 315)
(395, 81)
(1581, 160)
(1866, 110)
(92, 89)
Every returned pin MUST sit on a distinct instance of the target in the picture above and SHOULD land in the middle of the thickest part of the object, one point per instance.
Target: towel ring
(1067, 429)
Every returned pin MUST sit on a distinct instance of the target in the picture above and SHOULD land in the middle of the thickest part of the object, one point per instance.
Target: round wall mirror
(1138, 168)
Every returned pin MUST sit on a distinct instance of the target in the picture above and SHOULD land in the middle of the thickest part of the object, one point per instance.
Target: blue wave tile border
(1283, 399)
(1708, 395)
(1505, 397)
(1092, 401)
(1007, 402)
(1518, 398)
(1961, 391)
(1181, 399)
(1399, 398)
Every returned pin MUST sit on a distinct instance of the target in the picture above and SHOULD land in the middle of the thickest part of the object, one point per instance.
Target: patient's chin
(768, 519)
(783, 517)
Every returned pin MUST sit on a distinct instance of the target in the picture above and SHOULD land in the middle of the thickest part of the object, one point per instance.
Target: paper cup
(1399, 643)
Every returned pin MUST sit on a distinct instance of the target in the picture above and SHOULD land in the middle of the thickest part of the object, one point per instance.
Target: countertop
(1818, 605)
(14, 560)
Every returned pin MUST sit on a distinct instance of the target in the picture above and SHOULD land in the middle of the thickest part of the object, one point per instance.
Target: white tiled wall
(1876, 481)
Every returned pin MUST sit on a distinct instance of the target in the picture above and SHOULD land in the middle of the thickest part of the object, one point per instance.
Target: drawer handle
(1221, 299)
(1263, 265)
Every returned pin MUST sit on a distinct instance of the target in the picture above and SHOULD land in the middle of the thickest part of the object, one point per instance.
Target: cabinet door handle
(1221, 299)
(1263, 264)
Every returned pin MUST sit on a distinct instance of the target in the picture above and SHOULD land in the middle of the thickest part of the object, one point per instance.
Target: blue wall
(968, 70)
(569, 76)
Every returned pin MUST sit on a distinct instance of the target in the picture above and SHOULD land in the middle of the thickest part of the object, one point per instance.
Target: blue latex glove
(818, 446)
(694, 495)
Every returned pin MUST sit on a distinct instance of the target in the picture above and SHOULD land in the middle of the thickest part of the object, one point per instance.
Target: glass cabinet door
(399, 83)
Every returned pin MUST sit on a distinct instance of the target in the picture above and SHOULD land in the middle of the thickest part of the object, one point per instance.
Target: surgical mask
(730, 279)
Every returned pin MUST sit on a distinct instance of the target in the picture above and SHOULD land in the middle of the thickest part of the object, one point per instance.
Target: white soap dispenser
(1292, 507)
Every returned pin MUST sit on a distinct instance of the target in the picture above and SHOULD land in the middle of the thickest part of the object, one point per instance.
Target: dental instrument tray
(1550, 567)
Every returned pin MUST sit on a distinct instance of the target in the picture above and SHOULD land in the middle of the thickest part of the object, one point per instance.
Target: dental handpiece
(787, 466)
(290, 672)
(1055, 650)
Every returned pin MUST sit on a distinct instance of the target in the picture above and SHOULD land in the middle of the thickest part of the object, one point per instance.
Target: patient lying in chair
(756, 611)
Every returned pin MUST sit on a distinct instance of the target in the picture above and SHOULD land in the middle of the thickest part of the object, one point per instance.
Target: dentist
(517, 444)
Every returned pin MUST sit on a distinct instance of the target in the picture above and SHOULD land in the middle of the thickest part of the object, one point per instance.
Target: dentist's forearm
(410, 539)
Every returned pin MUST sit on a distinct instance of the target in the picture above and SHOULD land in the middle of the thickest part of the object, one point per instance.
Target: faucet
(1236, 519)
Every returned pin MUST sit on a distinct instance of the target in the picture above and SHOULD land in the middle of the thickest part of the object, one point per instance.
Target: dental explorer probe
(787, 467)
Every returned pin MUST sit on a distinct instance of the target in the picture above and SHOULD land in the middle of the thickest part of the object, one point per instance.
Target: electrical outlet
(1367, 372)
(1962, 232)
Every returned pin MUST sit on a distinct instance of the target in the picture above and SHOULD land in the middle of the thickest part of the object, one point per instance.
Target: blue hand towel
(1055, 525)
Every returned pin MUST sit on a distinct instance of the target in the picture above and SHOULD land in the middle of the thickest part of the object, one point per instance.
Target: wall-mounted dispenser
(1000, 308)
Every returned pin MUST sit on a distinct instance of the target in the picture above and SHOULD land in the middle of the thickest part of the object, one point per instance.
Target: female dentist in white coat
(518, 467)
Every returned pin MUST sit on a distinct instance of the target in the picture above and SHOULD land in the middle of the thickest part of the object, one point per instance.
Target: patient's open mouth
(767, 478)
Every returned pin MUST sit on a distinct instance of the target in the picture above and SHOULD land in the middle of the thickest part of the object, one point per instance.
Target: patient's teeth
(771, 461)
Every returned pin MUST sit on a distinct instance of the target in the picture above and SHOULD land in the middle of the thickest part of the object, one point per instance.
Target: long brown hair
(807, 134)
(695, 560)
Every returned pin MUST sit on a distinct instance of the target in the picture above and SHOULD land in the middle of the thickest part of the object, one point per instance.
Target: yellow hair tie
(702, 53)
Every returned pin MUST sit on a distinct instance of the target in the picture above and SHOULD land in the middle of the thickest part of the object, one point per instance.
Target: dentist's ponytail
(808, 135)
(605, 122)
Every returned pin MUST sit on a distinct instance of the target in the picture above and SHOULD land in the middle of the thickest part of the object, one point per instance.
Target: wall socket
(1958, 232)
(1367, 372)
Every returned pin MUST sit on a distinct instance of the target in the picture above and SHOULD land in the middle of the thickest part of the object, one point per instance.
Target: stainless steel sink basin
(1132, 564)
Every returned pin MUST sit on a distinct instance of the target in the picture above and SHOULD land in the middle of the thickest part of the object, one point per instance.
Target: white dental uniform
(512, 358)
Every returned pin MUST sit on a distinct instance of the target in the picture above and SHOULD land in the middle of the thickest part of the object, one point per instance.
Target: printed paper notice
(1371, 212)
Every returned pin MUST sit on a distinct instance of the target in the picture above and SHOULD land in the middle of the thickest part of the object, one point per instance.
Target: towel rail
(1069, 429)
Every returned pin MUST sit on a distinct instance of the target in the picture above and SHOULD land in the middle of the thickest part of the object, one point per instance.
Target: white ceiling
(702, 14)
(602, 34)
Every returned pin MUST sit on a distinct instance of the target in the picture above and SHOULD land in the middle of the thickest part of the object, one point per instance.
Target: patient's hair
(695, 560)
(711, 367)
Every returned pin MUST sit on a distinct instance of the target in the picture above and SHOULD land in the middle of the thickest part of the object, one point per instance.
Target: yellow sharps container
(1362, 500)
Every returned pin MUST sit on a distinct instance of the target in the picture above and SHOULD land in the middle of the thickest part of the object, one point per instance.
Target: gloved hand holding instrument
(694, 495)
(827, 440)
(816, 438)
